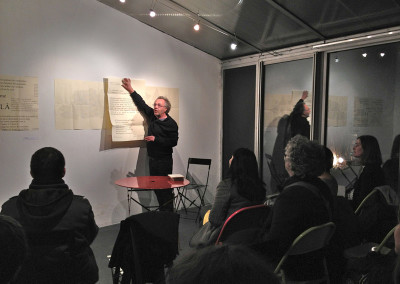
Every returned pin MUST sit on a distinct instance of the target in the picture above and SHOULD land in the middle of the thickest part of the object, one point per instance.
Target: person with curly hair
(305, 201)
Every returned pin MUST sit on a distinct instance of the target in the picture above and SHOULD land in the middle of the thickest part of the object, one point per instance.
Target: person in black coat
(298, 118)
(59, 225)
(162, 136)
(13, 248)
(391, 166)
(305, 201)
(368, 151)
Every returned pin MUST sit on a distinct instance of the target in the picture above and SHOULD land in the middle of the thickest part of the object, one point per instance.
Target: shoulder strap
(316, 192)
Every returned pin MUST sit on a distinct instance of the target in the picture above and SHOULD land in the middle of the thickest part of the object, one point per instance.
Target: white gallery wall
(87, 40)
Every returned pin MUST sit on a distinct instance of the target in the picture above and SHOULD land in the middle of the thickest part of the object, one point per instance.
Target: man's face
(159, 107)
(307, 111)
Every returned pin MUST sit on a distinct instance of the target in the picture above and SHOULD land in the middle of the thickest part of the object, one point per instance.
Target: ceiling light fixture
(364, 54)
(382, 54)
(234, 43)
(152, 13)
(197, 25)
(122, 1)
(336, 59)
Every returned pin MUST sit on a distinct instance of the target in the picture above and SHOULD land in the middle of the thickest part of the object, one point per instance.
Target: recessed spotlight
(122, 1)
(382, 54)
(152, 13)
(337, 60)
(196, 27)
(364, 54)
(233, 45)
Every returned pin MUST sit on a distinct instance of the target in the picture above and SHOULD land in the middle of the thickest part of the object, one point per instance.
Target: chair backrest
(243, 225)
(197, 161)
(375, 190)
(381, 246)
(273, 171)
(312, 239)
(389, 194)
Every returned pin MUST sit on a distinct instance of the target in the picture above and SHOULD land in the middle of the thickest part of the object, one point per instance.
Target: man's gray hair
(167, 103)
(305, 157)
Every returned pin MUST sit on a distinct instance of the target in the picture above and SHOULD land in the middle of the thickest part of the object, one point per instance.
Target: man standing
(298, 118)
(161, 137)
(59, 225)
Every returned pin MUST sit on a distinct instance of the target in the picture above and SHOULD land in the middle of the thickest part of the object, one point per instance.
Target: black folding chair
(195, 168)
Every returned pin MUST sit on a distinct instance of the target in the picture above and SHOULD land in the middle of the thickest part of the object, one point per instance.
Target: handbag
(205, 236)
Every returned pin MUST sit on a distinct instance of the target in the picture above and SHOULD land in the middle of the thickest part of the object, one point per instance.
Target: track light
(234, 43)
(152, 13)
(197, 26)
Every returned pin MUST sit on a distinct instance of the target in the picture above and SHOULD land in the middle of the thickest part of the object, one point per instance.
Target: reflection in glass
(284, 87)
(363, 99)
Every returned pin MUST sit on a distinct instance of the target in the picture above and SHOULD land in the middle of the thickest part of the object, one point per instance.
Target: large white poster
(19, 107)
(128, 124)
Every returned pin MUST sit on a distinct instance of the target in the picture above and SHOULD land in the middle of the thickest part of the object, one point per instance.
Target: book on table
(176, 177)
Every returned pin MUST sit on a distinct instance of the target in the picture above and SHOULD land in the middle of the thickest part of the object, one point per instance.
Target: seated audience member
(376, 217)
(59, 225)
(396, 273)
(367, 150)
(305, 201)
(347, 232)
(221, 264)
(13, 248)
(391, 166)
(326, 176)
(242, 188)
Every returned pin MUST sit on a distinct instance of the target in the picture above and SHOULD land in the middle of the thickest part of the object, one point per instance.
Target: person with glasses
(162, 136)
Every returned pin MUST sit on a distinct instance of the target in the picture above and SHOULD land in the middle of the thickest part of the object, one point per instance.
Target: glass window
(363, 99)
(284, 84)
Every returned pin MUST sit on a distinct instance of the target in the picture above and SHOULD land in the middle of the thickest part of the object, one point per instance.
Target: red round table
(146, 183)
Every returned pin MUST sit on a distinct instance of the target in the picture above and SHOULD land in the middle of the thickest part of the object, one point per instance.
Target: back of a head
(47, 163)
(328, 159)
(306, 158)
(395, 147)
(371, 150)
(244, 172)
(13, 248)
(221, 264)
(298, 109)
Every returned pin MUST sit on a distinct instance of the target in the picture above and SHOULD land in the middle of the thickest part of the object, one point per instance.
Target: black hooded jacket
(60, 227)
